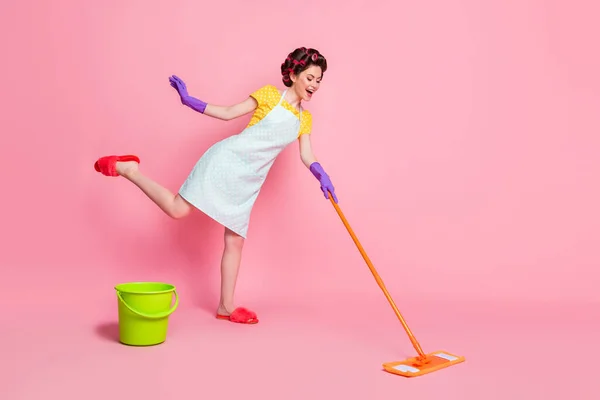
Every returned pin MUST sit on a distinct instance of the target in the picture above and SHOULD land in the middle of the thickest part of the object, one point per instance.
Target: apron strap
(301, 108)
(282, 96)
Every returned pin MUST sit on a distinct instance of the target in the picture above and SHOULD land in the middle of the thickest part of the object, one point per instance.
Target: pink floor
(303, 351)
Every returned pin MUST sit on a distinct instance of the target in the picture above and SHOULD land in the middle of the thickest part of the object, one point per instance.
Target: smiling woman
(307, 64)
(227, 179)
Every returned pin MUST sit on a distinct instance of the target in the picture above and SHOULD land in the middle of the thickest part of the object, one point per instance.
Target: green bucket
(144, 310)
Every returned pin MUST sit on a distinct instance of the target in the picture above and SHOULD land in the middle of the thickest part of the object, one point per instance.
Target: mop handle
(412, 338)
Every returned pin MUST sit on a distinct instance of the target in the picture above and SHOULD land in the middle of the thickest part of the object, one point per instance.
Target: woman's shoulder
(269, 88)
(266, 93)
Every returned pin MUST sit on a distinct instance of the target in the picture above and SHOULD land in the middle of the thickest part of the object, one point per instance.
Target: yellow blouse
(267, 97)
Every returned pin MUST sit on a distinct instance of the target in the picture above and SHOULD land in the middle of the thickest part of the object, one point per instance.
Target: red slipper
(107, 165)
(240, 315)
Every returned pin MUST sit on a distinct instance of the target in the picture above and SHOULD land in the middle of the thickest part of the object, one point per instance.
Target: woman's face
(307, 82)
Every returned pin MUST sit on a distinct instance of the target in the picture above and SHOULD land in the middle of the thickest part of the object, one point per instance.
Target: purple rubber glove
(326, 185)
(186, 99)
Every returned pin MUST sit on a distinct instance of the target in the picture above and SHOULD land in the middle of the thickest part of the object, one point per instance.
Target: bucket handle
(151, 316)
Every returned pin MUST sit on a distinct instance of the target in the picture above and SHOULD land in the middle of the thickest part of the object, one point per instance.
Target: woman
(227, 179)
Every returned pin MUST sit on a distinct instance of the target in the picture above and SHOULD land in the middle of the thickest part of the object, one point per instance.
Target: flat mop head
(417, 366)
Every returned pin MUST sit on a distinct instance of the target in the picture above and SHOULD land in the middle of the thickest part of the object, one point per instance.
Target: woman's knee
(181, 208)
(233, 241)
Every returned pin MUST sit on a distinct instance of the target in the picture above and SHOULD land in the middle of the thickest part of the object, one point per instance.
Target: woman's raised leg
(172, 204)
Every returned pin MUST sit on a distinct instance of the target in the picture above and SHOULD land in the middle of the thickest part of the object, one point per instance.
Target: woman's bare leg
(177, 207)
(172, 204)
(230, 266)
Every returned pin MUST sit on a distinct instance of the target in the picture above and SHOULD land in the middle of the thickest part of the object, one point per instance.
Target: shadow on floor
(108, 331)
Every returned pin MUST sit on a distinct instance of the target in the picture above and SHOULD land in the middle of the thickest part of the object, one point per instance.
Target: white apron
(226, 180)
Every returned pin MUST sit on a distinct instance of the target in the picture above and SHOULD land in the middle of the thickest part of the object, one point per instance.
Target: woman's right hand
(179, 85)
(186, 99)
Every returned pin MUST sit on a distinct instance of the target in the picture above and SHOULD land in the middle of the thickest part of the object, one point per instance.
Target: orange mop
(415, 366)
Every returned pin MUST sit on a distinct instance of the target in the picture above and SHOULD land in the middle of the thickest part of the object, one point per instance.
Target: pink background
(462, 139)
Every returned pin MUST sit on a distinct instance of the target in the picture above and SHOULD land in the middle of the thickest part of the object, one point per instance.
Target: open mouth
(310, 92)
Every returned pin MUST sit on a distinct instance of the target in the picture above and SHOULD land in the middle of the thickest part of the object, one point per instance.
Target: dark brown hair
(299, 60)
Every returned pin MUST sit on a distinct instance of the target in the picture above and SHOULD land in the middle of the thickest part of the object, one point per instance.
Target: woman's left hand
(324, 180)
(327, 187)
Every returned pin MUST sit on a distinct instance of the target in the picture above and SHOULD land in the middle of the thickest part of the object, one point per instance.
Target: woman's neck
(292, 98)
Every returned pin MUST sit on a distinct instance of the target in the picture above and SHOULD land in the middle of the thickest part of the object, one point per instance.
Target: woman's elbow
(228, 114)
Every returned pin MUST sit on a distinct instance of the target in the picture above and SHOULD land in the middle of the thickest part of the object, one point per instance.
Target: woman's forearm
(308, 159)
(306, 152)
(227, 113)
(218, 112)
